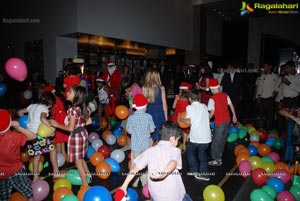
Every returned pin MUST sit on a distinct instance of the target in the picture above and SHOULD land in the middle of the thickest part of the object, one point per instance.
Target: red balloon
(104, 150)
(262, 134)
(259, 176)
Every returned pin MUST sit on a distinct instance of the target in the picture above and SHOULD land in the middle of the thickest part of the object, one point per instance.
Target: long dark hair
(80, 100)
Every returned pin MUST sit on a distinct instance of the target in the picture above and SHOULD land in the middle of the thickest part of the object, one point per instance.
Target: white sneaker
(200, 177)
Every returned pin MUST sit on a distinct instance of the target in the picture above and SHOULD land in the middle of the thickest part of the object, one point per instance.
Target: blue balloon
(90, 151)
(276, 183)
(270, 141)
(233, 129)
(97, 193)
(95, 121)
(212, 124)
(114, 165)
(117, 132)
(3, 89)
(132, 195)
(253, 150)
(23, 121)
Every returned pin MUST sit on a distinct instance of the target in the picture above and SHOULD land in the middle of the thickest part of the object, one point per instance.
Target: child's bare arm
(30, 135)
(21, 112)
(168, 170)
(234, 119)
(129, 177)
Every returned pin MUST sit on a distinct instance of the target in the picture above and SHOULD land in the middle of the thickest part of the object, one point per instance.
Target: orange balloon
(241, 157)
(106, 133)
(292, 170)
(281, 165)
(60, 193)
(82, 191)
(249, 125)
(121, 112)
(103, 170)
(16, 196)
(24, 156)
(243, 151)
(122, 140)
(237, 148)
(104, 122)
(96, 158)
(264, 149)
(273, 135)
(255, 143)
(180, 123)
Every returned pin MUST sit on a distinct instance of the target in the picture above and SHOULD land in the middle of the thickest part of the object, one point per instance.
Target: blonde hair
(152, 80)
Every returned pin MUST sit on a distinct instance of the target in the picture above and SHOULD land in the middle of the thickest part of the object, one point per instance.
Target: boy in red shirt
(12, 171)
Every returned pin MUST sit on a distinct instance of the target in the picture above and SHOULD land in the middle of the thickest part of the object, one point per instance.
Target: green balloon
(266, 159)
(113, 122)
(74, 178)
(232, 137)
(276, 144)
(70, 197)
(270, 191)
(274, 131)
(242, 133)
(260, 195)
(295, 190)
(244, 128)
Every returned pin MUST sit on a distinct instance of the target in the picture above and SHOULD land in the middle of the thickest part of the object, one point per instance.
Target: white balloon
(254, 138)
(110, 139)
(27, 94)
(118, 155)
(60, 159)
(97, 143)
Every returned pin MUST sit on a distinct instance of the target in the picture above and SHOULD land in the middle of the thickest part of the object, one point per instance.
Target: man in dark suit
(232, 85)
(166, 74)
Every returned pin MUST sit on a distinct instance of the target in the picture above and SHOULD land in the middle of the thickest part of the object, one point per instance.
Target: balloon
(242, 133)
(16, 69)
(270, 191)
(121, 112)
(255, 143)
(213, 193)
(262, 134)
(103, 122)
(70, 197)
(145, 191)
(95, 121)
(266, 159)
(40, 168)
(43, 130)
(113, 122)
(277, 144)
(296, 180)
(60, 193)
(82, 191)
(274, 156)
(270, 141)
(103, 170)
(97, 193)
(23, 121)
(285, 196)
(118, 155)
(74, 178)
(24, 156)
(253, 150)
(106, 133)
(281, 165)
(104, 150)
(269, 167)
(96, 158)
(276, 183)
(3, 89)
(273, 135)
(93, 136)
(110, 139)
(254, 138)
(245, 168)
(117, 132)
(40, 190)
(132, 195)
(27, 94)
(233, 129)
(242, 157)
(282, 174)
(295, 190)
(97, 143)
(62, 182)
(259, 194)
(243, 151)
(113, 164)
(232, 137)
(61, 159)
(122, 140)
(264, 150)
(180, 123)
(90, 151)
(237, 148)
(16, 196)
(259, 176)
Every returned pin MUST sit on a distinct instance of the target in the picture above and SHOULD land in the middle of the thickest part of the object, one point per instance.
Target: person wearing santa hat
(218, 107)
(13, 173)
(140, 125)
(180, 103)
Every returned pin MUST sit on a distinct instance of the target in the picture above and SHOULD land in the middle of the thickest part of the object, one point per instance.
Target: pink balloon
(16, 69)
(285, 196)
(145, 191)
(40, 190)
(282, 174)
(245, 168)
(274, 156)
(92, 136)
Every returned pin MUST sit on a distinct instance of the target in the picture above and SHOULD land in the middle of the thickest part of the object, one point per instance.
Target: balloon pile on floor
(261, 161)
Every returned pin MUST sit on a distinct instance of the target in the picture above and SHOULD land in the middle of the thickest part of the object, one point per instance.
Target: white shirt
(287, 90)
(267, 85)
(102, 95)
(211, 103)
(199, 116)
(34, 116)
(231, 76)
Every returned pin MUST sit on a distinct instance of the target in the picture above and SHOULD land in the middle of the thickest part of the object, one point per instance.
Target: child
(72, 77)
(163, 161)
(180, 103)
(200, 135)
(140, 125)
(77, 118)
(218, 107)
(13, 173)
(37, 114)
(102, 96)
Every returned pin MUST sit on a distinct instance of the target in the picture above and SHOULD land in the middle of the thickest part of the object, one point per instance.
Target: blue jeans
(193, 164)
(219, 140)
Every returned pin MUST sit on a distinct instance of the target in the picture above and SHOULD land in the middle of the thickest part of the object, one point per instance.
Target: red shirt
(10, 157)
(69, 81)
(221, 108)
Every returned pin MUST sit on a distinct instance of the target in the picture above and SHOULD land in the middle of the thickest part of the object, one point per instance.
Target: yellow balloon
(268, 166)
(43, 130)
(40, 168)
(213, 193)
(255, 162)
(62, 182)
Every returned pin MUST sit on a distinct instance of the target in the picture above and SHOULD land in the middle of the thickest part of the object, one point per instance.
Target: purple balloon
(274, 156)
(285, 196)
(93, 136)
(40, 190)
(16, 69)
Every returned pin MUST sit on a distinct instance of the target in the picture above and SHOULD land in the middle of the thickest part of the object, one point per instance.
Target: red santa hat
(49, 88)
(213, 84)
(185, 85)
(5, 121)
(111, 63)
(100, 79)
(139, 102)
